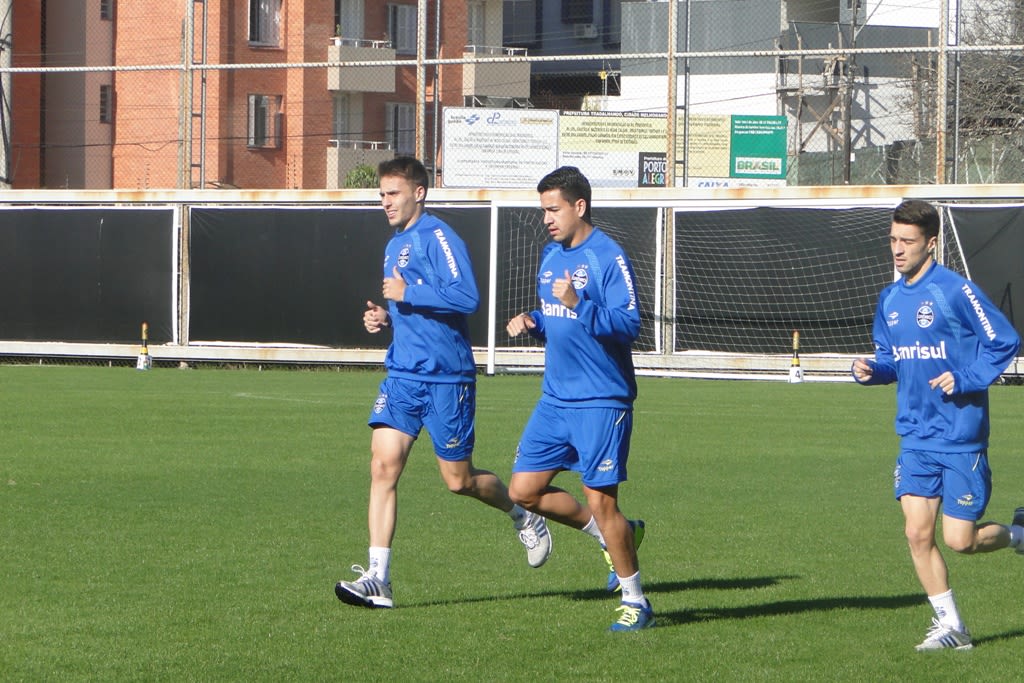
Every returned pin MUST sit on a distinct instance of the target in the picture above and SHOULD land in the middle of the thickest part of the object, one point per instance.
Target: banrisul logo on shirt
(403, 256)
(925, 314)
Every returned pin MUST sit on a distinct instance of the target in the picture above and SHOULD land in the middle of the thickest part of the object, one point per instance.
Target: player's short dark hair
(919, 213)
(571, 182)
(410, 168)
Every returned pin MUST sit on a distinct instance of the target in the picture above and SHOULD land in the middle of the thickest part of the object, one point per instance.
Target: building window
(106, 104)
(264, 129)
(475, 23)
(106, 10)
(264, 20)
(400, 127)
(578, 11)
(348, 15)
(402, 28)
(342, 116)
(521, 20)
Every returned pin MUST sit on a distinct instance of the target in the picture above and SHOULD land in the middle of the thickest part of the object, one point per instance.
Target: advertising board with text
(514, 148)
(500, 148)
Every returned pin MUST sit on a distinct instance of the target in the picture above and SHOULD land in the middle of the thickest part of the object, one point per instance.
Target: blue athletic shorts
(591, 441)
(962, 480)
(446, 410)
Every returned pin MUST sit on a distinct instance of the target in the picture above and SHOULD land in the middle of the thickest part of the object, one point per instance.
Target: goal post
(746, 278)
(519, 237)
(724, 297)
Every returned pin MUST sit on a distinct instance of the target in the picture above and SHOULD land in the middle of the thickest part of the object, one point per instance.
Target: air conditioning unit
(585, 31)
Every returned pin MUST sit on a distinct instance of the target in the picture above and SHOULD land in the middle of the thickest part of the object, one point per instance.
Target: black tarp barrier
(992, 241)
(303, 275)
(88, 275)
(747, 278)
(522, 237)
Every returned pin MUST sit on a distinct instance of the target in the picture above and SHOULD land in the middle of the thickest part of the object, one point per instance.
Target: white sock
(380, 563)
(631, 590)
(592, 529)
(946, 612)
(518, 515)
(1016, 535)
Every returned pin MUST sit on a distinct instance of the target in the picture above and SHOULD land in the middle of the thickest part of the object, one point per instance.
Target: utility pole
(421, 79)
(940, 95)
(671, 74)
(848, 98)
(6, 43)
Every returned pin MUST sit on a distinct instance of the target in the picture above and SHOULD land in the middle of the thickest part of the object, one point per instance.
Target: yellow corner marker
(144, 362)
(796, 373)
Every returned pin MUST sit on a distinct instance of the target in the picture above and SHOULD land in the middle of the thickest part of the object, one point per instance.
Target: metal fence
(306, 95)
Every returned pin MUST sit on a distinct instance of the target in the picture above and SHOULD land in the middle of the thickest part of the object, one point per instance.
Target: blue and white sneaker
(633, 617)
(366, 591)
(534, 535)
(941, 637)
(1018, 521)
(638, 538)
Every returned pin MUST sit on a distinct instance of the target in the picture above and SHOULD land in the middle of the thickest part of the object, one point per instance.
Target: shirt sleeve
(883, 367)
(616, 315)
(452, 286)
(998, 341)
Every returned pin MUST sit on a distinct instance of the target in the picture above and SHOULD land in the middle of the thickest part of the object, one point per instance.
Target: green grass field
(180, 525)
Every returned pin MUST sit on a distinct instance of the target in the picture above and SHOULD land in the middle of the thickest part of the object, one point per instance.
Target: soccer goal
(723, 288)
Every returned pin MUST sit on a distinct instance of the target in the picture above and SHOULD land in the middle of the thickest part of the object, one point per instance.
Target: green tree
(362, 176)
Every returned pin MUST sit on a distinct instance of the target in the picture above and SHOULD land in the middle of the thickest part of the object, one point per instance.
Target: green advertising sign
(758, 148)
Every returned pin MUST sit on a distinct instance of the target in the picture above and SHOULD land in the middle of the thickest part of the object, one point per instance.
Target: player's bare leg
(390, 451)
(533, 490)
(618, 534)
(966, 537)
(464, 479)
(947, 629)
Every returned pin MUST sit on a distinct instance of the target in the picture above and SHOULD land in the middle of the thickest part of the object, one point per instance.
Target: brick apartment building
(172, 116)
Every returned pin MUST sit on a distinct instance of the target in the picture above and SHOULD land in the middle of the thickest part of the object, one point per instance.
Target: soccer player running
(431, 377)
(944, 342)
(588, 319)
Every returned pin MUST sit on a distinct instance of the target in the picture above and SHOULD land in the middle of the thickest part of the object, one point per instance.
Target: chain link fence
(310, 95)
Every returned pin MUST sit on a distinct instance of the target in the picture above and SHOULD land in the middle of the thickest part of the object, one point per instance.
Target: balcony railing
(495, 78)
(345, 155)
(352, 78)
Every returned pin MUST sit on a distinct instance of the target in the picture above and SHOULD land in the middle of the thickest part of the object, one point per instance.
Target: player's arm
(453, 289)
(618, 317)
(375, 318)
(881, 369)
(526, 322)
(998, 339)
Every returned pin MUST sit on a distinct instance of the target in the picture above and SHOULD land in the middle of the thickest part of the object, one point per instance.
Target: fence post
(940, 95)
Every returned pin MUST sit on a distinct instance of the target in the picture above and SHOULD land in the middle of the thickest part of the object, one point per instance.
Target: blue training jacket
(941, 322)
(431, 332)
(588, 358)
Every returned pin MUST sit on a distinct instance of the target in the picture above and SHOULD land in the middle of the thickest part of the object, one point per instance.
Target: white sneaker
(940, 637)
(366, 591)
(535, 536)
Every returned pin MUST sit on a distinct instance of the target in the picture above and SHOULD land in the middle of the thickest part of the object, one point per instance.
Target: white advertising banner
(498, 148)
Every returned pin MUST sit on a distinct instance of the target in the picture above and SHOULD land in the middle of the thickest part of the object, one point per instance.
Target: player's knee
(459, 487)
(965, 545)
(522, 497)
(918, 537)
(385, 469)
